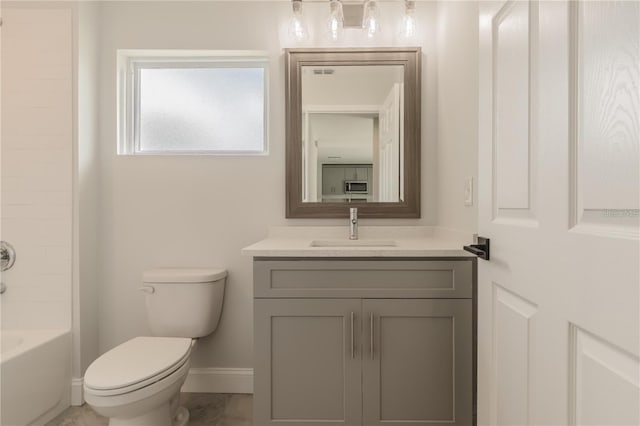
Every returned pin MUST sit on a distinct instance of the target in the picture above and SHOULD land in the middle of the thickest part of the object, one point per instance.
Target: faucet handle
(7, 256)
(353, 223)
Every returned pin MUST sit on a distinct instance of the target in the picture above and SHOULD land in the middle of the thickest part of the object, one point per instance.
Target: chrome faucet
(353, 223)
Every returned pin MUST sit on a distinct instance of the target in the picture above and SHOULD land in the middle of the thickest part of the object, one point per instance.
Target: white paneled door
(558, 302)
(390, 146)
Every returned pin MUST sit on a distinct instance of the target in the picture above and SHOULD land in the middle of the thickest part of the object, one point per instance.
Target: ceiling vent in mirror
(323, 71)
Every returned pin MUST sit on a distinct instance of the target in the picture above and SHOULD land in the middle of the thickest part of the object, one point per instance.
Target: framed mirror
(353, 132)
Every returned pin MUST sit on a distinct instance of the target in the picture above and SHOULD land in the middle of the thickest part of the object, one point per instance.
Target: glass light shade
(297, 28)
(408, 29)
(335, 23)
(370, 19)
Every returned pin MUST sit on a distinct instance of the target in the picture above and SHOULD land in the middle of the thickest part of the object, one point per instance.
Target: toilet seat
(136, 364)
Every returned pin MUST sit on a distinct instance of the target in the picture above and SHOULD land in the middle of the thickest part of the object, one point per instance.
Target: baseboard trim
(77, 394)
(219, 380)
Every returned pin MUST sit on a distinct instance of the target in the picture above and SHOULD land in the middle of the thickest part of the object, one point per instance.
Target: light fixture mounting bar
(353, 13)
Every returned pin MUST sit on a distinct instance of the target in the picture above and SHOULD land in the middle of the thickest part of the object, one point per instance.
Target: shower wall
(36, 148)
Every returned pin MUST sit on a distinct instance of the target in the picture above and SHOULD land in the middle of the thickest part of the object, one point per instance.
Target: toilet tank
(183, 302)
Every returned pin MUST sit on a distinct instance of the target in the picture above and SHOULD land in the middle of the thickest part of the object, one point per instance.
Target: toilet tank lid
(183, 275)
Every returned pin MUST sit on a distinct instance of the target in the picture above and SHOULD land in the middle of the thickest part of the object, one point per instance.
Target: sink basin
(353, 243)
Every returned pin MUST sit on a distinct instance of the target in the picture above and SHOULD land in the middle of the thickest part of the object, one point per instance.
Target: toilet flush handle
(147, 289)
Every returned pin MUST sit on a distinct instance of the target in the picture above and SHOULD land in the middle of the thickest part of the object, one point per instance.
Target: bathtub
(35, 375)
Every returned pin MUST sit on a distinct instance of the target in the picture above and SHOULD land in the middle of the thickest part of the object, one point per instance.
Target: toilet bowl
(138, 382)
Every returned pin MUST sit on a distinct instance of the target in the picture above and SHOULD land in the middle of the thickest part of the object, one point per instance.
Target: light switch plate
(468, 191)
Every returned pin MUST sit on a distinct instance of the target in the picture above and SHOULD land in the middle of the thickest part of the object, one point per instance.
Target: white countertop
(410, 241)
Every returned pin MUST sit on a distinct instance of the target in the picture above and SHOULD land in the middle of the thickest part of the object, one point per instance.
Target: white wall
(200, 210)
(87, 195)
(457, 112)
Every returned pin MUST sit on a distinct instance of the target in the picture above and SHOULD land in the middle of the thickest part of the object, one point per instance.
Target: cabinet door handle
(371, 320)
(353, 339)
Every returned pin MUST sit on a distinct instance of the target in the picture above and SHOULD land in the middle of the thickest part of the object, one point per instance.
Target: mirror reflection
(352, 133)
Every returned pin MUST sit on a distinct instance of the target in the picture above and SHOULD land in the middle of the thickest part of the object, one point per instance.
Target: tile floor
(210, 409)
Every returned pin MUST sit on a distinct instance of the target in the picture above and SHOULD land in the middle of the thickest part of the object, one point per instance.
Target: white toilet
(138, 382)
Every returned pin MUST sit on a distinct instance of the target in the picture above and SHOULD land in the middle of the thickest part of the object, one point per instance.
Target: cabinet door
(362, 173)
(417, 369)
(333, 180)
(307, 367)
(350, 173)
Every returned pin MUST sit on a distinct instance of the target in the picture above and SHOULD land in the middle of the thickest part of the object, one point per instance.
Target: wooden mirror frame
(295, 59)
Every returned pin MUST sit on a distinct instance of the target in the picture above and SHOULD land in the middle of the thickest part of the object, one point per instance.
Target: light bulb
(408, 29)
(370, 18)
(335, 23)
(297, 29)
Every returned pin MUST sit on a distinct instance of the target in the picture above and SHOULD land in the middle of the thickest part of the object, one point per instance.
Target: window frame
(131, 62)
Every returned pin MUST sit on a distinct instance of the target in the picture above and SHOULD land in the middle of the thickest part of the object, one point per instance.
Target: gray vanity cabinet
(306, 373)
(416, 364)
(363, 342)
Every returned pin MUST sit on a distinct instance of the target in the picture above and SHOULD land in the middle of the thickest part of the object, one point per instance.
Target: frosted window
(181, 109)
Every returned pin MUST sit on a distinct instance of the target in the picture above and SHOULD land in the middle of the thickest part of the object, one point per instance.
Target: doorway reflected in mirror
(353, 136)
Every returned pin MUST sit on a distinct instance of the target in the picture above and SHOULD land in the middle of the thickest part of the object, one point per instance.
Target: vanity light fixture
(351, 15)
(335, 23)
(408, 29)
(370, 19)
(297, 28)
